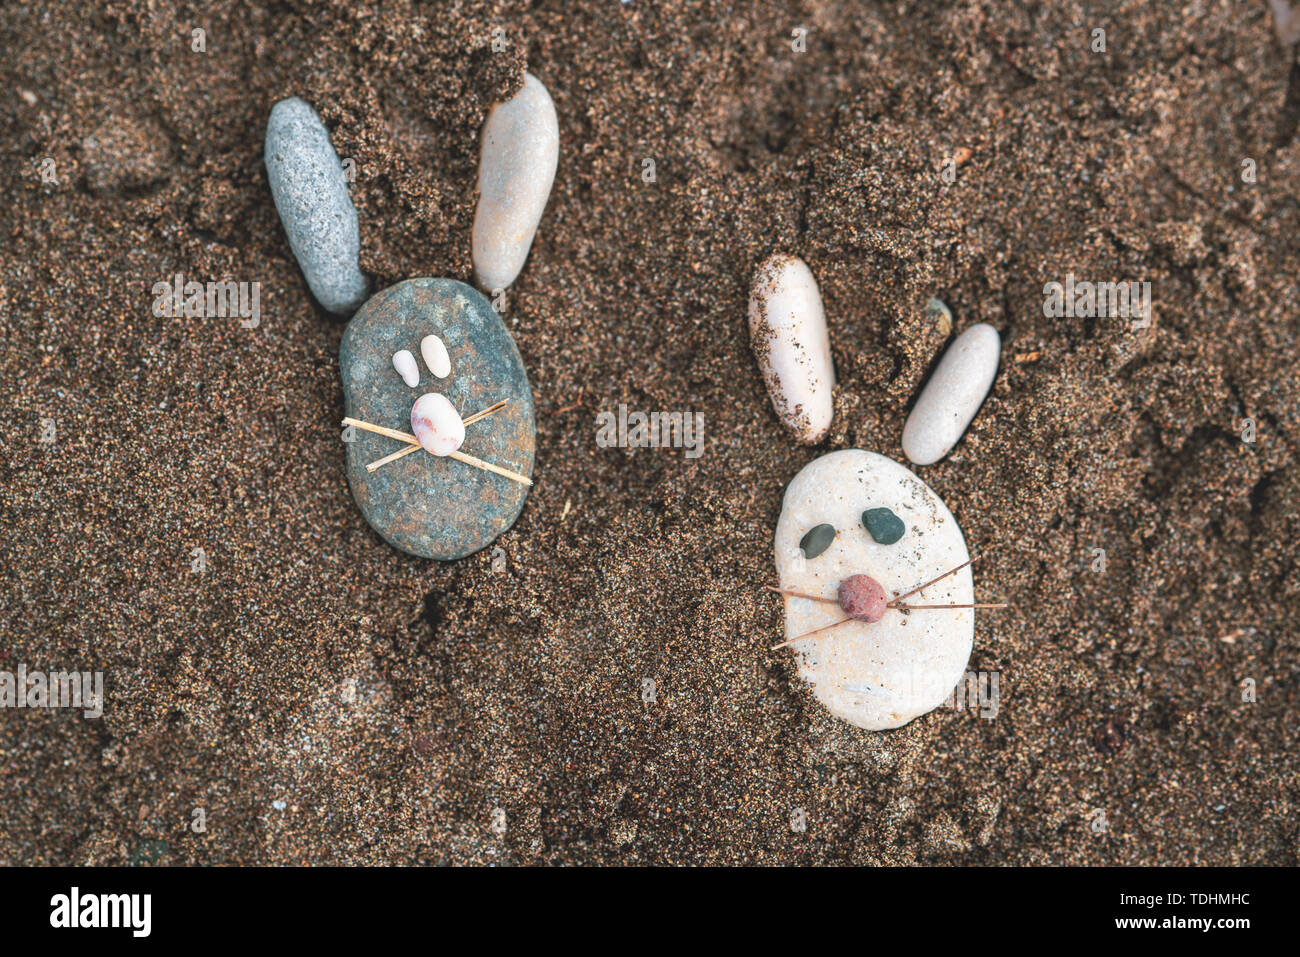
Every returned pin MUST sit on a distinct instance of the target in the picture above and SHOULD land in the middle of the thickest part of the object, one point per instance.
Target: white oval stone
(787, 330)
(521, 148)
(435, 356)
(437, 424)
(884, 674)
(953, 395)
(405, 365)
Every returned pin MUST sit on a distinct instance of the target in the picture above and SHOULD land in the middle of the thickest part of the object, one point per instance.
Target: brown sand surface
(324, 698)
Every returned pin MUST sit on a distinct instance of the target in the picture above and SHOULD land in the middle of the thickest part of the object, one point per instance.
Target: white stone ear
(405, 365)
(435, 356)
(787, 330)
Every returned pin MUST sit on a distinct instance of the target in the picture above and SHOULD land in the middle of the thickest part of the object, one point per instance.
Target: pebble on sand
(953, 395)
(938, 310)
(885, 666)
(520, 151)
(787, 330)
(432, 505)
(312, 198)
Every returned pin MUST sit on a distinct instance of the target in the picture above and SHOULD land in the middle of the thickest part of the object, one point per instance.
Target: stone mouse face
(884, 666)
(442, 506)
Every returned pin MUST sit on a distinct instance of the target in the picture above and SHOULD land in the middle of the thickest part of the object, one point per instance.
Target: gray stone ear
(311, 196)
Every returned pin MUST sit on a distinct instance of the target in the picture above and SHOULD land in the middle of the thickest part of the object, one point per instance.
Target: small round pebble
(938, 310)
(817, 541)
(953, 395)
(435, 355)
(437, 424)
(520, 152)
(863, 598)
(883, 525)
(312, 198)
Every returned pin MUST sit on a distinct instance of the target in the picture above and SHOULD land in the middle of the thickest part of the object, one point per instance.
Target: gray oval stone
(879, 674)
(311, 196)
(427, 505)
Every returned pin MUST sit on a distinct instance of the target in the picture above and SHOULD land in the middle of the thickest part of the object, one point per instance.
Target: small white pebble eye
(405, 365)
(435, 356)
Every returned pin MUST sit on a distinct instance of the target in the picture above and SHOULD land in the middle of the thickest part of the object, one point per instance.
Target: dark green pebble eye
(883, 525)
(817, 540)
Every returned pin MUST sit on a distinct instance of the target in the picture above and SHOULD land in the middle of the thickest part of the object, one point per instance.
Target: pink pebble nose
(862, 598)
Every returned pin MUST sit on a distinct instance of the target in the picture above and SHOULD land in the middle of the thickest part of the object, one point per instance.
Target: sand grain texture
(326, 698)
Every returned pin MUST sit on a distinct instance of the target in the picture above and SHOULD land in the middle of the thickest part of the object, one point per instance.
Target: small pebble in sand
(881, 667)
(405, 365)
(937, 310)
(520, 151)
(125, 153)
(787, 330)
(312, 198)
(435, 356)
(953, 395)
(437, 424)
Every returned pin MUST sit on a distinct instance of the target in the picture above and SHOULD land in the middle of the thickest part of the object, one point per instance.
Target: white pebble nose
(435, 356)
(953, 395)
(437, 424)
(405, 365)
(521, 148)
(787, 330)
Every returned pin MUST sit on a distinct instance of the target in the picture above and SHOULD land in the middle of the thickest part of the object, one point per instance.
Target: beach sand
(607, 694)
